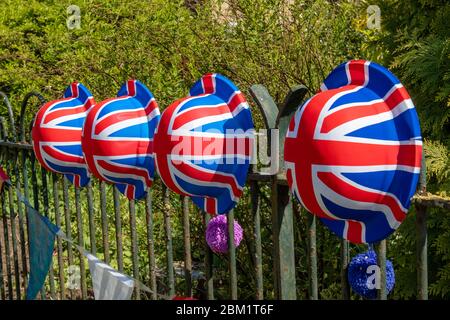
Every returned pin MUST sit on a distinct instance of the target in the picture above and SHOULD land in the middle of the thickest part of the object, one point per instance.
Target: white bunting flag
(108, 283)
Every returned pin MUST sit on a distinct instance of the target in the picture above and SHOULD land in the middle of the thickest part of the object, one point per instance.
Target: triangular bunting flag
(108, 283)
(42, 239)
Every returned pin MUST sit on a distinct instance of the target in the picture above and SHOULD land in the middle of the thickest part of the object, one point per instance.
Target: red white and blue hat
(353, 152)
(117, 139)
(203, 144)
(56, 134)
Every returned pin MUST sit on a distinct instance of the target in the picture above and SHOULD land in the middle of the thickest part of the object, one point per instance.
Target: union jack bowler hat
(353, 152)
(117, 139)
(56, 134)
(203, 144)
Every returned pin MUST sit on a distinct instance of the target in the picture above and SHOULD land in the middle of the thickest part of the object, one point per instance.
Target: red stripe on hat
(208, 83)
(236, 100)
(75, 91)
(356, 71)
(210, 206)
(352, 113)
(397, 96)
(131, 87)
(354, 231)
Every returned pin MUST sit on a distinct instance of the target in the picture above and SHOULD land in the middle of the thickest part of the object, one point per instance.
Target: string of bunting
(106, 280)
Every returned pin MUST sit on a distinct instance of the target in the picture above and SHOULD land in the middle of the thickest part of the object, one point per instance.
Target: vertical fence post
(257, 235)
(345, 289)
(421, 251)
(209, 265)
(2, 289)
(118, 221)
(3, 135)
(58, 239)
(90, 203)
(232, 255)
(151, 245)
(7, 250)
(12, 221)
(285, 226)
(23, 251)
(312, 257)
(282, 224)
(381, 261)
(26, 193)
(67, 219)
(19, 215)
(134, 245)
(104, 216)
(282, 211)
(187, 248)
(169, 247)
(80, 242)
(421, 239)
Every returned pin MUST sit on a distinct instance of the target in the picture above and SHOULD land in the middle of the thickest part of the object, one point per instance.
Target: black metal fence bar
(26, 193)
(421, 249)
(209, 273)
(20, 216)
(169, 246)
(151, 245)
(118, 224)
(62, 291)
(422, 238)
(9, 281)
(381, 260)
(5, 241)
(255, 208)
(232, 255)
(12, 221)
(134, 244)
(2, 279)
(90, 203)
(187, 248)
(345, 290)
(21, 221)
(312, 258)
(68, 224)
(104, 218)
(80, 233)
